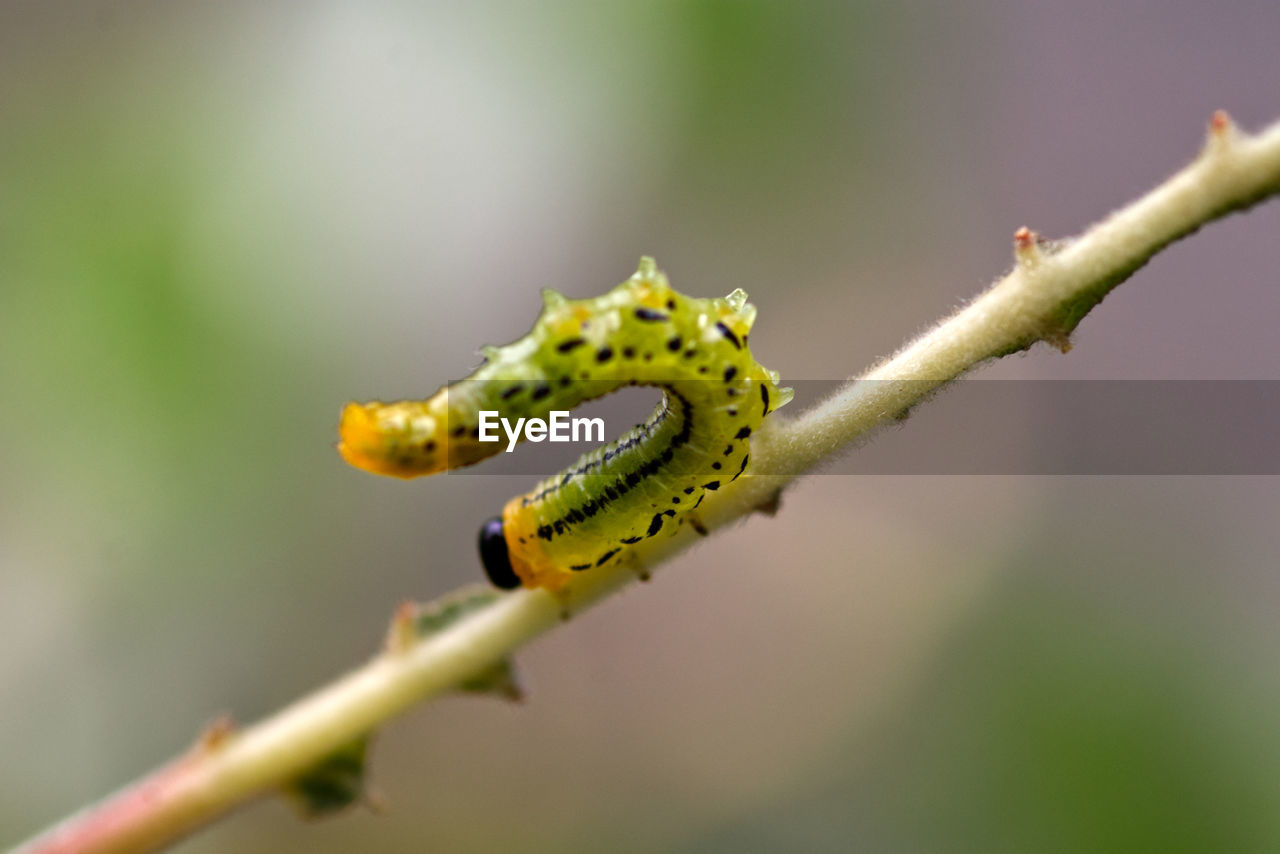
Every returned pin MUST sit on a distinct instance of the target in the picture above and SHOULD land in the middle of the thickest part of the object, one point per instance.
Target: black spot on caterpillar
(649, 315)
(729, 333)
(592, 513)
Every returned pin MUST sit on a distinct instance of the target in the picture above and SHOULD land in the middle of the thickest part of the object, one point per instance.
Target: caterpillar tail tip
(357, 434)
(362, 443)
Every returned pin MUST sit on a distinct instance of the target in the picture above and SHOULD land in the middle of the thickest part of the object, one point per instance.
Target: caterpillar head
(495, 557)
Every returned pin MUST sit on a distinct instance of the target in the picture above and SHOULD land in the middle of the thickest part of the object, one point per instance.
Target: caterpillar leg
(641, 571)
(563, 597)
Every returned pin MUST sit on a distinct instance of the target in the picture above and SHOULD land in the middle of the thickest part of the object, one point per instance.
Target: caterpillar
(649, 481)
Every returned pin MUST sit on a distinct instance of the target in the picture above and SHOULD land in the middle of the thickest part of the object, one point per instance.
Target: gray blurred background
(221, 221)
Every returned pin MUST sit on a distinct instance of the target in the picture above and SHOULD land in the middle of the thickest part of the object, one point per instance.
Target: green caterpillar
(651, 480)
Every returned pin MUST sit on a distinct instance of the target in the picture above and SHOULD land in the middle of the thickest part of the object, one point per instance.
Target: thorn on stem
(1059, 340)
(374, 801)
(770, 505)
(403, 630)
(513, 691)
(1222, 133)
(216, 734)
(1026, 248)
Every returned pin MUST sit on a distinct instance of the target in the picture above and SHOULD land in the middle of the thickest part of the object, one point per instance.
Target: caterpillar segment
(644, 484)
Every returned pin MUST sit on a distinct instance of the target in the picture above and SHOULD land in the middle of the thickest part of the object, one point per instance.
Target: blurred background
(221, 221)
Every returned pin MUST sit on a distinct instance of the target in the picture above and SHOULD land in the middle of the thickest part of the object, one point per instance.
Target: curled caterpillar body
(644, 484)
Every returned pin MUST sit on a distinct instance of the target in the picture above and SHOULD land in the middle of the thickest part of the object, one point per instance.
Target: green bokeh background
(219, 222)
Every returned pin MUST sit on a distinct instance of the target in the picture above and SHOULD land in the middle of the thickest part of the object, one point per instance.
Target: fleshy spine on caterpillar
(649, 481)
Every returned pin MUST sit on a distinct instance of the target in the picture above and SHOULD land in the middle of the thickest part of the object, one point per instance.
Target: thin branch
(1052, 286)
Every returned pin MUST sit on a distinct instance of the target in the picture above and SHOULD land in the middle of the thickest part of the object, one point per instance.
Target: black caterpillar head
(495, 557)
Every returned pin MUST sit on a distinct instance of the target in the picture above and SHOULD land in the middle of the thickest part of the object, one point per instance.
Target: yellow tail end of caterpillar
(411, 438)
(395, 439)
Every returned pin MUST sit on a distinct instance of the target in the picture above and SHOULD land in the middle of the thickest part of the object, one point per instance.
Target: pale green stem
(1043, 298)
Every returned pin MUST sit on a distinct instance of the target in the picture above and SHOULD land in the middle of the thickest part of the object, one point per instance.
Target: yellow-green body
(645, 484)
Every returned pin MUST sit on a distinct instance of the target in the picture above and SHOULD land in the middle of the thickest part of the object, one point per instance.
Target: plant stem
(1051, 287)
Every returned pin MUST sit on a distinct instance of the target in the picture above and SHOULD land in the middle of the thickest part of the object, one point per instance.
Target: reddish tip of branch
(1024, 238)
(121, 821)
(1219, 122)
